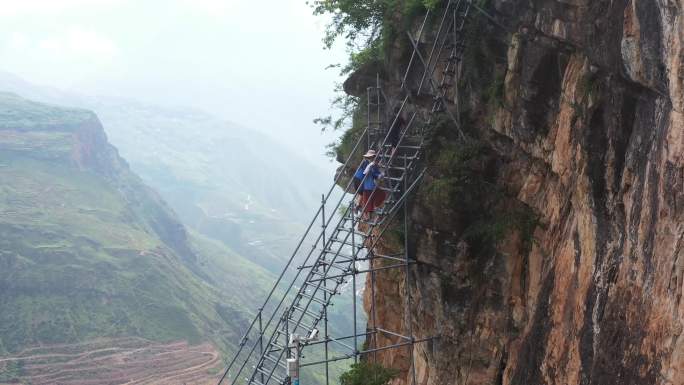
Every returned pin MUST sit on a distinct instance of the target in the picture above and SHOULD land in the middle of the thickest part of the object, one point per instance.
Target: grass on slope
(75, 264)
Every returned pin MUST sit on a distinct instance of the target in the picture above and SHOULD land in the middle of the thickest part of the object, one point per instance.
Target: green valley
(88, 251)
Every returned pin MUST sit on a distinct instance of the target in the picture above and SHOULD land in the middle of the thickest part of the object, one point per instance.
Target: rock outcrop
(571, 269)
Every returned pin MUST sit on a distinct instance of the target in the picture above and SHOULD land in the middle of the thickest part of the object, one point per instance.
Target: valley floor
(130, 361)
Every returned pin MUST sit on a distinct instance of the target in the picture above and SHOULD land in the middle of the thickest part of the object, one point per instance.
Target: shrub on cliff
(365, 373)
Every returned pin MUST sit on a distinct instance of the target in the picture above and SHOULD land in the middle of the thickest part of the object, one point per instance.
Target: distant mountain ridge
(88, 251)
(228, 182)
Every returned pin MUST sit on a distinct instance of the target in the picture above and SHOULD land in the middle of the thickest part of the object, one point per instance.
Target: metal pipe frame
(299, 321)
(372, 257)
(251, 352)
(285, 321)
(298, 295)
(364, 352)
(357, 272)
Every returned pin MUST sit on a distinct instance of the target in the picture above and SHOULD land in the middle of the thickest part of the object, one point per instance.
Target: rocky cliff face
(550, 246)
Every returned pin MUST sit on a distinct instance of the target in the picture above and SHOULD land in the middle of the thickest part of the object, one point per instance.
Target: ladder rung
(408, 157)
(275, 361)
(389, 256)
(410, 147)
(338, 258)
(339, 266)
(313, 298)
(345, 256)
(384, 209)
(307, 312)
(355, 245)
(268, 373)
(393, 190)
(383, 212)
(354, 231)
(371, 222)
(318, 273)
(361, 220)
(323, 288)
(276, 345)
(305, 327)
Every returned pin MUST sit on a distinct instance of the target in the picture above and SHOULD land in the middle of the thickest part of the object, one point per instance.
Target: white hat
(370, 154)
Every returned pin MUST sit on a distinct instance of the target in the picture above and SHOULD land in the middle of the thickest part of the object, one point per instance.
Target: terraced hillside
(129, 361)
(88, 251)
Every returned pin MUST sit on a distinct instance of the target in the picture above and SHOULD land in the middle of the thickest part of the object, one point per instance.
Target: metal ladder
(337, 260)
(334, 257)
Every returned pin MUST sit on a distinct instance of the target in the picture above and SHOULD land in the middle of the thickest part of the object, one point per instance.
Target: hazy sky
(259, 63)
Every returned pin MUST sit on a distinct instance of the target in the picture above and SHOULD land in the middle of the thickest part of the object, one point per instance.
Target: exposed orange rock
(589, 136)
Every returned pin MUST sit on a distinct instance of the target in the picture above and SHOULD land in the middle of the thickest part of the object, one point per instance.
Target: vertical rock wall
(584, 131)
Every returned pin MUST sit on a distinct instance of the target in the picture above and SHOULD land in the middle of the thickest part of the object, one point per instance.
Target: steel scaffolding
(286, 333)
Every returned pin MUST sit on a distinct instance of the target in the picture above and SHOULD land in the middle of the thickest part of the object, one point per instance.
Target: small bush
(365, 373)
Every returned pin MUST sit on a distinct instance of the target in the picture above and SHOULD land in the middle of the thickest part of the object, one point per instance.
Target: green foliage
(373, 53)
(439, 192)
(342, 149)
(494, 93)
(463, 185)
(368, 27)
(484, 68)
(491, 228)
(590, 86)
(456, 176)
(351, 19)
(526, 221)
(361, 22)
(365, 373)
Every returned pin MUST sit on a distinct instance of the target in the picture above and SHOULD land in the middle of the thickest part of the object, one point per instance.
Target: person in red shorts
(371, 196)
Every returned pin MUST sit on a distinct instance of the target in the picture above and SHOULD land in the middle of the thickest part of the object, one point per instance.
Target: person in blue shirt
(371, 196)
(358, 175)
(358, 184)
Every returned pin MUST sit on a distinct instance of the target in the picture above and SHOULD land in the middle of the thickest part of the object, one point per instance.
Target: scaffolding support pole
(354, 253)
(261, 339)
(377, 90)
(368, 118)
(408, 281)
(325, 298)
(374, 323)
(457, 73)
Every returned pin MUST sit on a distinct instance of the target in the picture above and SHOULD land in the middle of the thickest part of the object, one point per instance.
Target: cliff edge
(550, 244)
